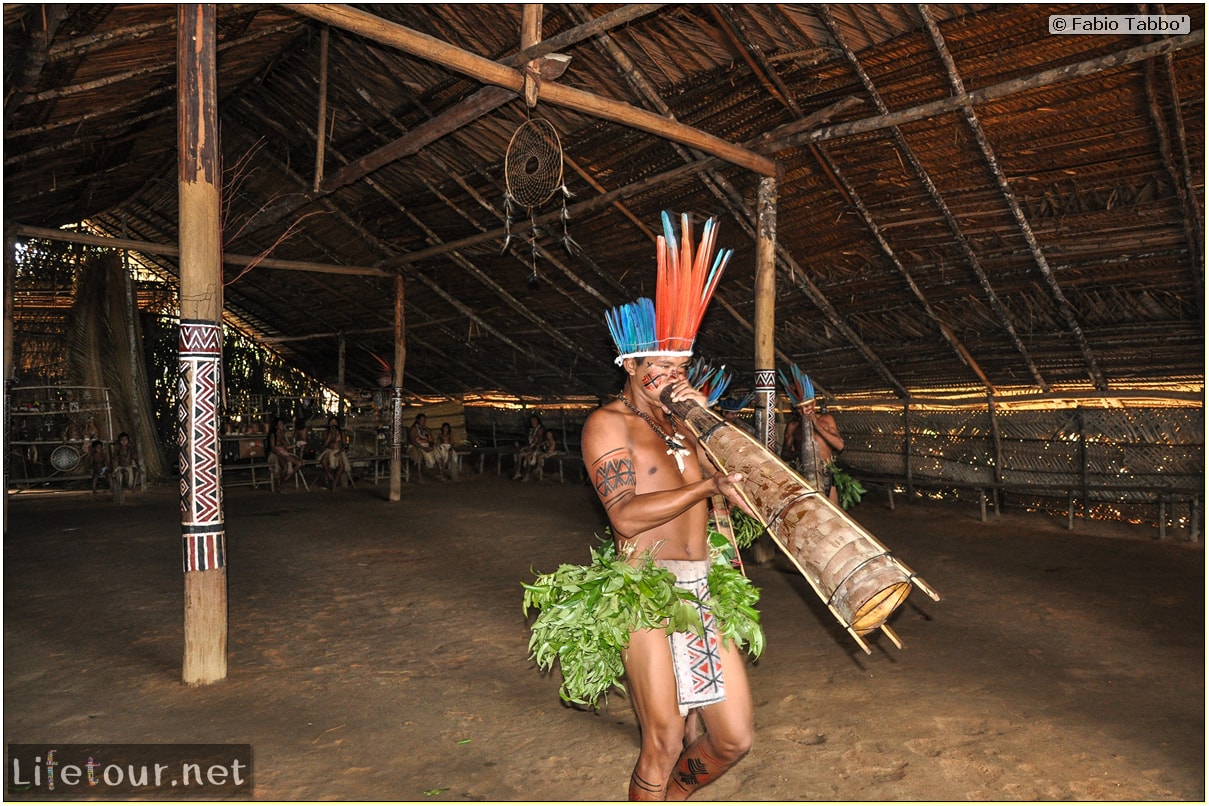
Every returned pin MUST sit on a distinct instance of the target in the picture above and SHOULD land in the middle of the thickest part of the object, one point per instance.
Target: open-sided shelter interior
(963, 201)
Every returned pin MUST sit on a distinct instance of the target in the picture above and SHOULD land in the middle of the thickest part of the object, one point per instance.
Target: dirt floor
(378, 651)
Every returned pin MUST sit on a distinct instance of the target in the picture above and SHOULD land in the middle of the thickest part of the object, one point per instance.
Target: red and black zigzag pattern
(200, 339)
(203, 443)
(184, 430)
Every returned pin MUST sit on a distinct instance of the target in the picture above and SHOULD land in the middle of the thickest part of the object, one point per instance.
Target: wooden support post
(1070, 510)
(201, 339)
(396, 397)
(10, 293)
(998, 454)
(1194, 524)
(321, 127)
(1083, 458)
(531, 34)
(1162, 517)
(982, 503)
(766, 293)
(340, 379)
(763, 550)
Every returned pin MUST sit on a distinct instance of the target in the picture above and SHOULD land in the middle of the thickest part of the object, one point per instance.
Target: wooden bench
(559, 458)
(232, 474)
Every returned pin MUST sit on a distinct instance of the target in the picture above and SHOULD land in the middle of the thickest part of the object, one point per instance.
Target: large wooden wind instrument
(856, 576)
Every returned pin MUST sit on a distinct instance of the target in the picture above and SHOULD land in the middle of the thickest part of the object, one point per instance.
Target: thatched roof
(1047, 234)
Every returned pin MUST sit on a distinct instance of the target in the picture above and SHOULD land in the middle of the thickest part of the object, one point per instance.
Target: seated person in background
(419, 443)
(301, 437)
(279, 445)
(546, 448)
(126, 462)
(445, 451)
(98, 463)
(524, 457)
(337, 469)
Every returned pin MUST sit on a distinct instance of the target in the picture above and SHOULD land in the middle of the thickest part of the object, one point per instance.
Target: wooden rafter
(1163, 136)
(959, 236)
(1003, 89)
(734, 201)
(490, 72)
(1005, 188)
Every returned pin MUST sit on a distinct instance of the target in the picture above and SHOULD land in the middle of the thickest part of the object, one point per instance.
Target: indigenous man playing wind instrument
(654, 483)
(813, 440)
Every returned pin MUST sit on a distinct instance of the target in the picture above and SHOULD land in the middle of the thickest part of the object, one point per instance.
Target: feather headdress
(797, 385)
(711, 382)
(737, 403)
(684, 284)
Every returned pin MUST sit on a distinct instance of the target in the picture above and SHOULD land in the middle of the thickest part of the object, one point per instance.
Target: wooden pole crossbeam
(465, 112)
(489, 72)
(172, 250)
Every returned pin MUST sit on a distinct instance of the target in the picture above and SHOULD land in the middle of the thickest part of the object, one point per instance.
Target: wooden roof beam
(465, 112)
(486, 205)
(1003, 89)
(43, 21)
(489, 72)
(733, 199)
(173, 250)
(488, 98)
(1191, 221)
(963, 242)
(1005, 188)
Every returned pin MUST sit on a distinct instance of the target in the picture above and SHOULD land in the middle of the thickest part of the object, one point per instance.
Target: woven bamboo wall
(1115, 462)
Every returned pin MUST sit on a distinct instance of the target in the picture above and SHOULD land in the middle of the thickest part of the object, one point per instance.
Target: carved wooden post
(201, 303)
(766, 298)
(396, 397)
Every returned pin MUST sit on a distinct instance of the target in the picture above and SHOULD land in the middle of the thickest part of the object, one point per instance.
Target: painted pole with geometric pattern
(766, 296)
(765, 379)
(200, 347)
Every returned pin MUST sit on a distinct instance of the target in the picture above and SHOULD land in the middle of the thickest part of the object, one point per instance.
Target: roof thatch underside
(1048, 235)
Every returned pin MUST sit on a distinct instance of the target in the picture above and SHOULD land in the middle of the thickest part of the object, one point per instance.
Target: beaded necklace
(674, 449)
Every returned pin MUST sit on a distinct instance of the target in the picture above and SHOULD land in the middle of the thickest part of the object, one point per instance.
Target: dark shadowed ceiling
(963, 201)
